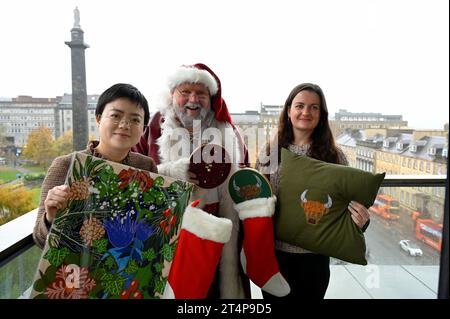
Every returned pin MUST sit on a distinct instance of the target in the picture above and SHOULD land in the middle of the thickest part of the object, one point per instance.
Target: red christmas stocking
(197, 254)
(258, 253)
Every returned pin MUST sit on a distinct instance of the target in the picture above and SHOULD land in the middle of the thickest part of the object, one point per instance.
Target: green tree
(64, 144)
(40, 146)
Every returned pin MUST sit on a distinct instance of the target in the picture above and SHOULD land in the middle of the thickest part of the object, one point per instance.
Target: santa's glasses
(202, 97)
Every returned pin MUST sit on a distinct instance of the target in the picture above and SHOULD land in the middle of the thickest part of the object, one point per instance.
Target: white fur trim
(168, 292)
(170, 140)
(177, 169)
(230, 281)
(164, 169)
(258, 207)
(163, 101)
(206, 226)
(190, 74)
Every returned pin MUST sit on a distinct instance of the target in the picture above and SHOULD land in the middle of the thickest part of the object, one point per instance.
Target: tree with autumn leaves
(64, 144)
(42, 148)
(14, 202)
(39, 147)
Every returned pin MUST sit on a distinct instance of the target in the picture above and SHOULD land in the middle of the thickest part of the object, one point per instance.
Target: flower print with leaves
(127, 235)
(143, 179)
(114, 233)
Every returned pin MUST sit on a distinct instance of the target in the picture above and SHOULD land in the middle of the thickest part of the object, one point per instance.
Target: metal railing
(16, 235)
(414, 181)
(20, 241)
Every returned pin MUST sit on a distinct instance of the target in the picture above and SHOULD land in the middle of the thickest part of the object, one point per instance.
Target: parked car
(412, 250)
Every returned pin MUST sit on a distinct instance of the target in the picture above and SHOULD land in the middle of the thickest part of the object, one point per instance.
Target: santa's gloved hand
(258, 252)
(177, 169)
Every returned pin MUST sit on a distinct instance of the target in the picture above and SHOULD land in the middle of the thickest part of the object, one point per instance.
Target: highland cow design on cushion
(312, 208)
(248, 183)
(117, 236)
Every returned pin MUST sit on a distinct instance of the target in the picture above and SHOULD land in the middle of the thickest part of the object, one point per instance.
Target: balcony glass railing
(403, 246)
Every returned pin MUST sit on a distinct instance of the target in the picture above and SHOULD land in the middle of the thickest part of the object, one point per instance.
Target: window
(392, 160)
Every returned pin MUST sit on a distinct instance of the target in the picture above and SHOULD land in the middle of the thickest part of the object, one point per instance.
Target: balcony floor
(378, 282)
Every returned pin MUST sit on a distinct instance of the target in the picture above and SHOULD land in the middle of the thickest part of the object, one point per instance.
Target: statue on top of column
(76, 14)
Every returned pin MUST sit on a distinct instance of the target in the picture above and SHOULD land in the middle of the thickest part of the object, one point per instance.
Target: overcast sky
(388, 56)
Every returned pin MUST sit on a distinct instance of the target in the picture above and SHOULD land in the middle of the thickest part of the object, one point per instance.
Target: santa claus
(193, 112)
(213, 256)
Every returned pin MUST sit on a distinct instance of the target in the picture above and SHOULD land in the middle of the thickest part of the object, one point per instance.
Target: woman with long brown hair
(304, 130)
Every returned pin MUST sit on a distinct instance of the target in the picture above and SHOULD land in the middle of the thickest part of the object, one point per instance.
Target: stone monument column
(79, 94)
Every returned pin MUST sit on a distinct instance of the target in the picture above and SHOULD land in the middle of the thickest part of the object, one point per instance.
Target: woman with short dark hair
(121, 115)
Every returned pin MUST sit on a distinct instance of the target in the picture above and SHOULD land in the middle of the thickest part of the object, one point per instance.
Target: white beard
(204, 117)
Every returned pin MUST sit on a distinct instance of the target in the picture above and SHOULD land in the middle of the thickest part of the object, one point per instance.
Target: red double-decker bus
(386, 207)
(418, 214)
(429, 232)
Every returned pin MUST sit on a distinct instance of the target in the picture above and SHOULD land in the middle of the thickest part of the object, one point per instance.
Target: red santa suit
(164, 141)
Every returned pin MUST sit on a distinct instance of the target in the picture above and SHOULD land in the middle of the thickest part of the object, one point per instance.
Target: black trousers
(308, 276)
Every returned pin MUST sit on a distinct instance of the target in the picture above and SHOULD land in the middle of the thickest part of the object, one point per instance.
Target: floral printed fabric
(116, 237)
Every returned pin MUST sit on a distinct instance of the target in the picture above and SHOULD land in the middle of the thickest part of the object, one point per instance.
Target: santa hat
(200, 73)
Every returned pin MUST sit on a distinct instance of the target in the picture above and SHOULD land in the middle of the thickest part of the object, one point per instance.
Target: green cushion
(331, 231)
